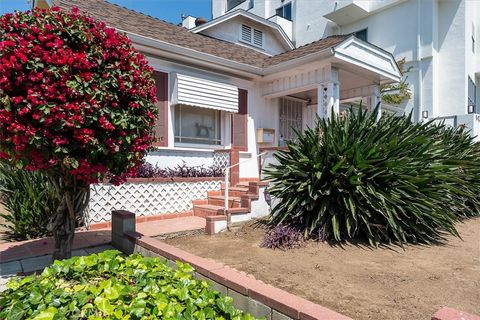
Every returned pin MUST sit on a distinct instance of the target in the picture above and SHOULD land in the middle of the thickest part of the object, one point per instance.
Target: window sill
(190, 148)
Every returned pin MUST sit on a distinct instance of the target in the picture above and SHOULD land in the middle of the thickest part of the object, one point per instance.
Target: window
(233, 3)
(197, 125)
(285, 11)
(291, 118)
(472, 96)
(251, 36)
(473, 37)
(361, 34)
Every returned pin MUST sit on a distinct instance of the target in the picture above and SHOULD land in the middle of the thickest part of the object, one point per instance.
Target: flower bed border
(173, 179)
(249, 294)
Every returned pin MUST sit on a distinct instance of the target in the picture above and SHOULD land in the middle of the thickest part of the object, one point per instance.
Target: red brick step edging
(447, 313)
(245, 287)
(280, 300)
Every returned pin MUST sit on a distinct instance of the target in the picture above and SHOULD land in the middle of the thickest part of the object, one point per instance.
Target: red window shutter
(239, 122)
(161, 125)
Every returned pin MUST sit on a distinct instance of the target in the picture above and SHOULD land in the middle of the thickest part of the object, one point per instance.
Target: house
(437, 38)
(244, 91)
(229, 91)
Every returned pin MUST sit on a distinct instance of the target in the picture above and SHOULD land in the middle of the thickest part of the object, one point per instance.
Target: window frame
(472, 89)
(473, 37)
(362, 30)
(177, 139)
(238, 3)
(282, 7)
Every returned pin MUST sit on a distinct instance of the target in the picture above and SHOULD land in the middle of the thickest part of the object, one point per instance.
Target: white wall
(452, 74)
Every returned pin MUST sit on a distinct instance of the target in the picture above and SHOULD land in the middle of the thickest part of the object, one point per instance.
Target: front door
(291, 119)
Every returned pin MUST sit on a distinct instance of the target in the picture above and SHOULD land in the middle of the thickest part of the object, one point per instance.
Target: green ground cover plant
(385, 181)
(111, 286)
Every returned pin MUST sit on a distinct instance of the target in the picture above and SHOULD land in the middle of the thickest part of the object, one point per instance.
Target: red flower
(63, 108)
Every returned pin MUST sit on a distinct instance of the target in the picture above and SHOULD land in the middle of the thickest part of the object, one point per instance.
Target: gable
(263, 38)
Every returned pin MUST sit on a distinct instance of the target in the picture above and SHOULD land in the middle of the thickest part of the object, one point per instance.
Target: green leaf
(48, 314)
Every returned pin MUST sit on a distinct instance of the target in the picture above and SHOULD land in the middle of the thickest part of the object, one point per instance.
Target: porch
(349, 74)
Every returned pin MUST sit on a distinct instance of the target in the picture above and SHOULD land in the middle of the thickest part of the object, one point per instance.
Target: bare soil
(358, 281)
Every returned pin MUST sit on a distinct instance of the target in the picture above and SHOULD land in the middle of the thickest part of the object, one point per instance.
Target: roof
(277, 29)
(313, 47)
(135, 22)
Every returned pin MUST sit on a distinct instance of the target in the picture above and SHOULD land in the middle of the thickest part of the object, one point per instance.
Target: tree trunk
(62, 224)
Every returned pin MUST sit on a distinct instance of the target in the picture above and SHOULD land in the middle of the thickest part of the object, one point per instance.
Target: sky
(169, 10)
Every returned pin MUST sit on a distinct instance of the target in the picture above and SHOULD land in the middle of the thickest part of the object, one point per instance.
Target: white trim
(341, 51)
(248, 15)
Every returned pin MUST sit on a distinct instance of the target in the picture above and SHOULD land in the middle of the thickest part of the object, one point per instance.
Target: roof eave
(189, 54)
(282, 66)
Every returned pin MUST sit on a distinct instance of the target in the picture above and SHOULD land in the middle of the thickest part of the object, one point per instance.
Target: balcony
(285, 24)
(348, 11)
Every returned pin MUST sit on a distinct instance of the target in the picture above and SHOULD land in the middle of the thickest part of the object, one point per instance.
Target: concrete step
(250, 192)
(233, 202)
(205, 210)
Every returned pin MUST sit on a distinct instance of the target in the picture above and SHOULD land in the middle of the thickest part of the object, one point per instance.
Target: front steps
(240, 198)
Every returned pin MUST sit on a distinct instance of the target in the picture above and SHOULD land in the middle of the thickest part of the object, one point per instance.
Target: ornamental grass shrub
(111, 286)
(30, 200)
(390, 180)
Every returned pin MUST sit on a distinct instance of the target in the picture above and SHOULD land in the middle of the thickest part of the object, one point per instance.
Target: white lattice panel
(145, 198)
(221, 159)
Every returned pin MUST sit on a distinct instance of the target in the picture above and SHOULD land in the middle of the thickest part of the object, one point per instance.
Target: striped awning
(204, 93)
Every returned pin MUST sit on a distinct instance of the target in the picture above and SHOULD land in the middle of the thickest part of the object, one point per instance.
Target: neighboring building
(438, 38)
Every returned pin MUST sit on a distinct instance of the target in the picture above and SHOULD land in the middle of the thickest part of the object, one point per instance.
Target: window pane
(287, 11)
(197, 125)
(233, 3)
(362, 34)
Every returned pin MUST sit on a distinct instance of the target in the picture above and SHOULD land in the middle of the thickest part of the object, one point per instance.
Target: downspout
(419, 116)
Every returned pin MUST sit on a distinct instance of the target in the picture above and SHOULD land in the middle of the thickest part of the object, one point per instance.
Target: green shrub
(111, 286)
(30, 199)
(391, 180)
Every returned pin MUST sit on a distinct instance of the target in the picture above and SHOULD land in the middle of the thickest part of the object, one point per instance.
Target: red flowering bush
(76, 101)
(76, 96)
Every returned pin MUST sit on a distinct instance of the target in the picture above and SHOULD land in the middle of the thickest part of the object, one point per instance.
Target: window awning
(203, 93)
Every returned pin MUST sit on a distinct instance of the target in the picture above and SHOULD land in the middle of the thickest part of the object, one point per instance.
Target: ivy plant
(109, 285)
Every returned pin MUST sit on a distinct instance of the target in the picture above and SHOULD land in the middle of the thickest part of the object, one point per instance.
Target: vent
(246, 33)
(258, 38)
(251, 36)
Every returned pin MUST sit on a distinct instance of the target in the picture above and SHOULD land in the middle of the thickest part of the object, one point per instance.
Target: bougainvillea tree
(76, 101)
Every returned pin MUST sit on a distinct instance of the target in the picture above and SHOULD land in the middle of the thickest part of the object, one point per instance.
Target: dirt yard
(363, 283)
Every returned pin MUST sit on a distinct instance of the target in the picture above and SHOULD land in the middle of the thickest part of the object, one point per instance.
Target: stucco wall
(452, 75)
(230, 31)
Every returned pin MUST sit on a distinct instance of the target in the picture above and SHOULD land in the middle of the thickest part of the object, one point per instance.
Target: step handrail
(226, 186)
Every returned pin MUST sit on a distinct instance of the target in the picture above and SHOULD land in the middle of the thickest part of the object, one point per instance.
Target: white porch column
(329, 95)
(375, 99)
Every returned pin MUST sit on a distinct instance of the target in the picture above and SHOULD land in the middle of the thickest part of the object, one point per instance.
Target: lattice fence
(145, 199)
(221, 159)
